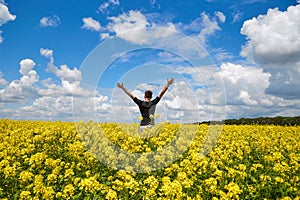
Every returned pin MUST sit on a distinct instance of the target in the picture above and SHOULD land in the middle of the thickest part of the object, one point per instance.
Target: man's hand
(170, 81)
(120, 85)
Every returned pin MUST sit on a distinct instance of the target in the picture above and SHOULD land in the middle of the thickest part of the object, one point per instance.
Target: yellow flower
(233, 190)
(242, 167)
(141, 118)
(26, 176)
(51, 178)
(48, 193)
(278, 179)
(9, 171)
(111, 195)
(118, 185)
(264, 177)
(268, 153)
(184, 180)
(69, 173)
(25, 195)
(90, 184)
(152, 183)
(69, 190)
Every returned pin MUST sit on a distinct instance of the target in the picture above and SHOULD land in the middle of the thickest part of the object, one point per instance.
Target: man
(147, 107)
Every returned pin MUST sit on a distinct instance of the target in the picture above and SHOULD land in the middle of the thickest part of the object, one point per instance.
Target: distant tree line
(279, 120)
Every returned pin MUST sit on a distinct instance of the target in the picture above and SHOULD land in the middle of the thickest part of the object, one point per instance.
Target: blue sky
(60, 60)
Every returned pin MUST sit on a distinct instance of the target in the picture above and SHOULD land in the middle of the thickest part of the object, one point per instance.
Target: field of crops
(51, 160)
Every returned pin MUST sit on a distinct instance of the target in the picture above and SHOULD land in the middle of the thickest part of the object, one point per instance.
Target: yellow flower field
(87, 160)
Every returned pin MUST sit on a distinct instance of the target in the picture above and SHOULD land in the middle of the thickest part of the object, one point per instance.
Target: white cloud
(103, 7)
(274, 44)
(126, 22)
(24, 88)
(26, 66)
(5, 15)
(69, 78)
(50, 21)
(104, 35)
(237, 17)
(63, 72)
(135, 28)
(48, 100)
(221, 16)
(67, 74)
(60, 108)
(162, 31)
(246, 98)
(246, 84)
(244, 89)
(181, 97)
(209, 27)
(110, 3)
(205, 26)
(48, 53)
(274, 37)
(2, 80)
(91, 24)
(46, 108)
(246, 95)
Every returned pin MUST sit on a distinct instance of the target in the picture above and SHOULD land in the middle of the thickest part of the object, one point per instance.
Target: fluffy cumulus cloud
(136, 28)
(91, 24)
(274, 37)
(244, 85)
(274, 44)
(48, 53)
(23, 89)
(69, 96)
(181, 103)
(50, 21)
(246, 96)
(140, 29)
(70, 79)
(5, 16)
(32, 98)
(130, 26)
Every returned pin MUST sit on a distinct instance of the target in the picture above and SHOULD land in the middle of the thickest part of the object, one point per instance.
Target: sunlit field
(51, 160)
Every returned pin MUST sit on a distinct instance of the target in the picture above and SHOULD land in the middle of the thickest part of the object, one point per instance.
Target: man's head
(148, 94)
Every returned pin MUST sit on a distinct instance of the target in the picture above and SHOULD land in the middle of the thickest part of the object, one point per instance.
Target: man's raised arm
(120, 85)
(169, 82)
